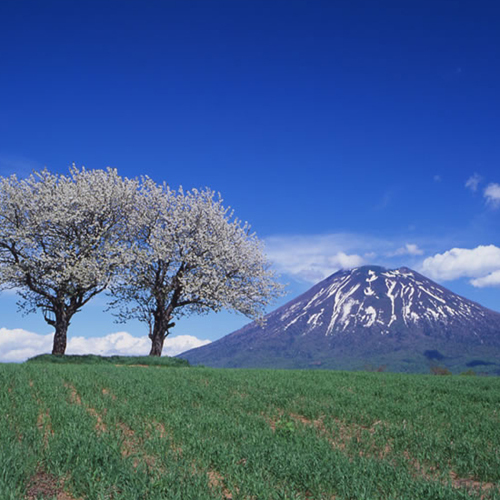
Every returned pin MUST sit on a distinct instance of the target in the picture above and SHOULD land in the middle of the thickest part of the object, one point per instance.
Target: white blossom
(191, 256)
(62, 239)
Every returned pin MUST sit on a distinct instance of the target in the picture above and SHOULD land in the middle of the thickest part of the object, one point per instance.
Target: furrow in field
(341, 437)
(44, 425)
(75, 398)
(216, 482)
(43, 422)
(46, 485)
(160, 429)
(350, 431)
(133, 446)
(107, 392)
(472, 485)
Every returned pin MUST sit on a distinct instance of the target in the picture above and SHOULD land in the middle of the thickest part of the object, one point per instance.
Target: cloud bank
(18, 345)
(481, 263)
(314, 257)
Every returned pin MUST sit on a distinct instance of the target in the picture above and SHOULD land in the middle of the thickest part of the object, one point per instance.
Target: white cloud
(407, 249)
(412, 249)
(314, 257)
(463, 262)
(491, 191)
(492, 279)
(18, 345)
(311, 258)
(473, 182)
(181, 343)
(492, 194)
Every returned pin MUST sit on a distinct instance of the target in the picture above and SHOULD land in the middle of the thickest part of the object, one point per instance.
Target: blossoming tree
(191, 256)
(62, 239)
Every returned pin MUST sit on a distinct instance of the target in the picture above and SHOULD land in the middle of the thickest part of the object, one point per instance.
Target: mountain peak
(369, 267)
(374, 268)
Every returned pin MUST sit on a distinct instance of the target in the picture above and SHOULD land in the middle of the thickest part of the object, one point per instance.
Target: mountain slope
(368, 315)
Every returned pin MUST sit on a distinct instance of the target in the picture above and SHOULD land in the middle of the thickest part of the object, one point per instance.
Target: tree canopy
(191, 256)
(62, 239)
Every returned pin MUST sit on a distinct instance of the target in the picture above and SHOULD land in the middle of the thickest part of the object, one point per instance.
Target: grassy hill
(100, 431)
(93, 359)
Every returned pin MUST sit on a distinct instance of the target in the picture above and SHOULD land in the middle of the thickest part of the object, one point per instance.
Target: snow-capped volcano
(360, 314)
(382, 300)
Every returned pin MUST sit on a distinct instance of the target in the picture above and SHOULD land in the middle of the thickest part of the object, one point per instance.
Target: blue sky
(345, 132)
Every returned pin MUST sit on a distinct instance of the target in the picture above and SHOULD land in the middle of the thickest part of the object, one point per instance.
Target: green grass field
(101, 431)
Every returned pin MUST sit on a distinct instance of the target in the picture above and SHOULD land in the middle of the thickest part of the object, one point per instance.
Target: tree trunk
(158, 336)
(161, 324)
(157, 344)
(61, 325)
